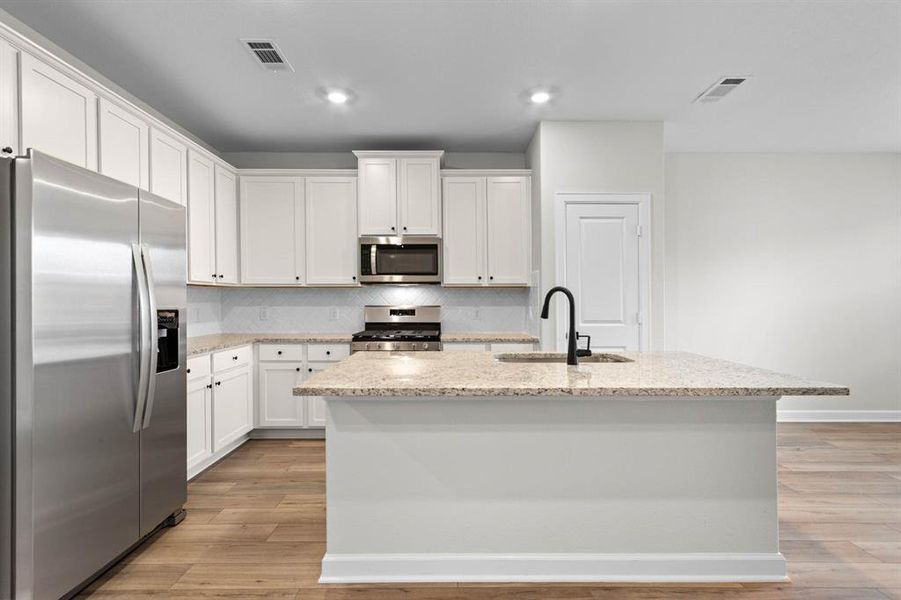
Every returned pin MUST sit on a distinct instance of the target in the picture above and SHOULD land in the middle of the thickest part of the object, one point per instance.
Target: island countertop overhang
(423, 374)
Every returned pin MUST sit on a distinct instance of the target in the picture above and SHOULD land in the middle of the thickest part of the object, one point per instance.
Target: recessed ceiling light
(540, 97)
(337, 97)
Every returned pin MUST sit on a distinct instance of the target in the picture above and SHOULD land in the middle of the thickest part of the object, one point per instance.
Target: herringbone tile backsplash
(320, 310)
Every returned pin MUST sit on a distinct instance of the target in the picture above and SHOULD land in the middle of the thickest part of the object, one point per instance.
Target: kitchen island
(463, 467)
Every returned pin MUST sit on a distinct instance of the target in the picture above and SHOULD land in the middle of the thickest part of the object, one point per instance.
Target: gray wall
(790, 262)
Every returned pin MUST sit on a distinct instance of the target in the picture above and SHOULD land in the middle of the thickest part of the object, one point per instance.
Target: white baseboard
(316, 433)
(850, 416)
(581, 567)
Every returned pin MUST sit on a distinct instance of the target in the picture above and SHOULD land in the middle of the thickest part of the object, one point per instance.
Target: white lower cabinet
(279, 407)
(232, 406)
(282, 367)
(199, 421)
(316, 409)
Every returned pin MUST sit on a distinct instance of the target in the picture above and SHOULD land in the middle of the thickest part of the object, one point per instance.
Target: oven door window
(406, 260)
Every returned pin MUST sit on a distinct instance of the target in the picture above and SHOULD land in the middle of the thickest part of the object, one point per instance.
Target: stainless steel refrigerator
(92, 372)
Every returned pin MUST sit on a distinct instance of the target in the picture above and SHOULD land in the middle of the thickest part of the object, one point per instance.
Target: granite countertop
(220, 341)
(480, 374)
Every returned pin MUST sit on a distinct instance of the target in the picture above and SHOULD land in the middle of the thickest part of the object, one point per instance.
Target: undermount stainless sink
(557, 357)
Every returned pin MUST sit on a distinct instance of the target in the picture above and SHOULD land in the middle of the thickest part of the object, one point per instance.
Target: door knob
(7, 150)
(297, 369)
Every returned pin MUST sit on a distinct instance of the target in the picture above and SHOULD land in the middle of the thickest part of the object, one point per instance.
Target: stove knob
(380, 346)
(367, 345)
(425, 346)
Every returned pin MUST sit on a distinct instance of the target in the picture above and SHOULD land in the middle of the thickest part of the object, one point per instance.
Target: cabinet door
(378, 196)
(9, 100)
(317, 411)
(271, 229)
(124, 145)
(464, 231)
(331, 230)
(59, 115)
(279, 407)
(232, 406)
(509, 230)
(199, 421)
(201, 219)
(419, 196)
(168, 167)
(226, 226)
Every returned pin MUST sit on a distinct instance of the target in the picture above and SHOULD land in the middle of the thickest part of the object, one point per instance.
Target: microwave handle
(372, 250)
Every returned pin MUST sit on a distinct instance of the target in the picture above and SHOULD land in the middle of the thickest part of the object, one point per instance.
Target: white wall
(790, 262)
(605, 157)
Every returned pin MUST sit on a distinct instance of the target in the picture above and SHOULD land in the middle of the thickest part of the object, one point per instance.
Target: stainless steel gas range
(400, 329)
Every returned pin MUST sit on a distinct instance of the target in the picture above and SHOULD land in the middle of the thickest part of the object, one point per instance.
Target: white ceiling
(450, 73)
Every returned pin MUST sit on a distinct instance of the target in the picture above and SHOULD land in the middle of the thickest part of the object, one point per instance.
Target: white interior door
(603, 271)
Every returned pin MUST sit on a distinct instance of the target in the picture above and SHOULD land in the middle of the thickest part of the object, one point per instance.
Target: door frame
(643, 202)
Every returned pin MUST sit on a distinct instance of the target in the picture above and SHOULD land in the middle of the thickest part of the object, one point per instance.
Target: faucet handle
(587, 350)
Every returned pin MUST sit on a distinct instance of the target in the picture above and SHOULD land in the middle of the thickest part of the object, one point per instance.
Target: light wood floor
(256, 528)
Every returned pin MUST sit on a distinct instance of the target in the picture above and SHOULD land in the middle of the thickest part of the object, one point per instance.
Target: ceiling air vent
(719, 90)
(267, 54)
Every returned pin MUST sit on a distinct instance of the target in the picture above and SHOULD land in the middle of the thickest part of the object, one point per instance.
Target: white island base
(551, 488)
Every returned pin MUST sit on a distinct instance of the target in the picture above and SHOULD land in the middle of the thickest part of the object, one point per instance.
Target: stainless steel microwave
(400, 260)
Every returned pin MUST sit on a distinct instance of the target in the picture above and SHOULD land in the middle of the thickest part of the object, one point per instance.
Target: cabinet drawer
(198, 367)
(235, 357)
(293, 352)
(327, 352)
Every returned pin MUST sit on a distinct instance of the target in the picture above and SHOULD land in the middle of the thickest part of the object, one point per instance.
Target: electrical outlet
(333, 313)
(264, 313)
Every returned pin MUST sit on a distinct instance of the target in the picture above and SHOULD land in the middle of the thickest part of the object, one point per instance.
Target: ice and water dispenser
(167, 340)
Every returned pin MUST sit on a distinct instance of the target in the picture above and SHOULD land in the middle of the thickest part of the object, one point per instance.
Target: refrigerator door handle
(154, 342)
(144, 331)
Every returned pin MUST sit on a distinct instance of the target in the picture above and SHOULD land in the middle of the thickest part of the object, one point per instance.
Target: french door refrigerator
(92, 372)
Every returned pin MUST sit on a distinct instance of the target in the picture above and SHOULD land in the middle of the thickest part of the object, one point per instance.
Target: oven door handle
(372, 251)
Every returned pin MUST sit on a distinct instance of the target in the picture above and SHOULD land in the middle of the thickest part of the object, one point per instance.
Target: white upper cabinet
(419, 196)
(487, 230)
(378, 195)
(201, 219)
(464, 231)
(272, 230)
(331, 227)
(226, 226)
(509, 230)
(168, 167)
(399, 192)
(9, 100)
(59, 114)
(124, 145)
